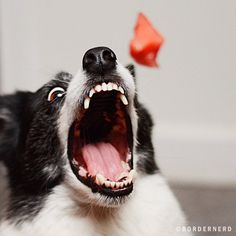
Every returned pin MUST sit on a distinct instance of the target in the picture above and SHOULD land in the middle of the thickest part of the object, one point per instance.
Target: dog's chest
(151, 211)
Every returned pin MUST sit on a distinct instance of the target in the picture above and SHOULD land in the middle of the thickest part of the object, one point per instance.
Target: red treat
(146, 42)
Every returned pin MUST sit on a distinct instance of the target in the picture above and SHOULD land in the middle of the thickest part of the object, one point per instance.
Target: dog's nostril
(108, 55)
(99, 60)
(91, 58)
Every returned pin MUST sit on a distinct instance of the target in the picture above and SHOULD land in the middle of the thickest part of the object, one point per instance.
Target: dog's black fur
(31, 150)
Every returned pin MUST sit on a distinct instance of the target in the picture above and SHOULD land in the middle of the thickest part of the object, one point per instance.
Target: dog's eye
(55, 93)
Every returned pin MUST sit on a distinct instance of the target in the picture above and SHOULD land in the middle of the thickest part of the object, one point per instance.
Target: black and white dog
(76, 158)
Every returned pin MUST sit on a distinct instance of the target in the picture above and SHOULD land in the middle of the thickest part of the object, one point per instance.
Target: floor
(208, 206)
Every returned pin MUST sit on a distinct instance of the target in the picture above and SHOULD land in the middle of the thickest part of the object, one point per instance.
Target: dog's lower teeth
(107, 184)
(101, 179)
(82, 171)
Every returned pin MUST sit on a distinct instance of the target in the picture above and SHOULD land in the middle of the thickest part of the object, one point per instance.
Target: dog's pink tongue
(102, 158)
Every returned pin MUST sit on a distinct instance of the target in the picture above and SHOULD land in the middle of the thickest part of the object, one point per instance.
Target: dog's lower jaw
(83, 195)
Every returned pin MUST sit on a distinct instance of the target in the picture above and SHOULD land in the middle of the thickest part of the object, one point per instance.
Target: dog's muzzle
(100, 145)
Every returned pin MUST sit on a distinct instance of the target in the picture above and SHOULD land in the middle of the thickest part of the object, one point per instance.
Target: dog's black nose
(99, 60)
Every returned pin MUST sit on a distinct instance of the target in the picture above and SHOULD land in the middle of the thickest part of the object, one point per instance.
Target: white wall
(192, 95)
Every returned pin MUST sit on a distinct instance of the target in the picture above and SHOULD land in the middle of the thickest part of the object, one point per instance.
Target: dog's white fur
(152, 210)
(72, 209)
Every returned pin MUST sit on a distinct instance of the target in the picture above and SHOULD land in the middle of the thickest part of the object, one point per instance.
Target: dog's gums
(101, 141)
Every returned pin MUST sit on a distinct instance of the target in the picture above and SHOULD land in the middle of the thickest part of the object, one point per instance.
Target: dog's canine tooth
(86, 103)
(113, 184)
(98, 88)
(109, 86)
(126, 183)
(121, 184)
(104, 86)
(92, 92)
(121, 90)
(114, 86)
(101, 179)
(124, 99)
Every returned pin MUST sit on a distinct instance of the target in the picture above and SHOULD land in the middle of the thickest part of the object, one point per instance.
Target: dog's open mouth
(101, 141)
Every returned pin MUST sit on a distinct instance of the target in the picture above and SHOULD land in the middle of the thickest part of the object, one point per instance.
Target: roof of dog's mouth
(100, 141)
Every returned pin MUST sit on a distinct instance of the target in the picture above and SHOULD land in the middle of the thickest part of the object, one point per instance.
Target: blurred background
(191, 96)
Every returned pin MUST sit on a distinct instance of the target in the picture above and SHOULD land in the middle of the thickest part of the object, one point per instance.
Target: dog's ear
(13, 108)
(131, 69)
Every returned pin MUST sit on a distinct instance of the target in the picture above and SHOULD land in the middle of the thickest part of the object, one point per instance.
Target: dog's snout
(99, 60)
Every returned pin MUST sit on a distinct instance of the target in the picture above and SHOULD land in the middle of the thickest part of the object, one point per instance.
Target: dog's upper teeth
(121, 90)
(98, 88)
(104, 86)
(114, 86)
(92, 92)
(109, 86)
(124, 99)
(86, 103)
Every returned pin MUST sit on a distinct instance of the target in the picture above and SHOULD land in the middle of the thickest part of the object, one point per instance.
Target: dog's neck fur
(63, 214)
